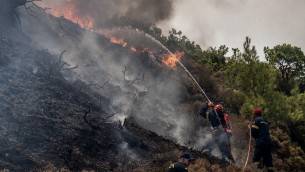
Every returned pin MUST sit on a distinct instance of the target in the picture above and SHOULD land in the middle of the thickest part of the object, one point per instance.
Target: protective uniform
(177, 167)
(180, 166)
(260, 132)
(221, 135)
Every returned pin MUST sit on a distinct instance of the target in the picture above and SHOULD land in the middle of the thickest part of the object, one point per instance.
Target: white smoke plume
(226, 22)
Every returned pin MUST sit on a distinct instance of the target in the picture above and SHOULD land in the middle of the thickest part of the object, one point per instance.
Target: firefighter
(260, 132)
(221, 130)
(185, 160)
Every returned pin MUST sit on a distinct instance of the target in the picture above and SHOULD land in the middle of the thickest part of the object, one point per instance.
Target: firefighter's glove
(210, 104)
(229, 134)
(249, 126)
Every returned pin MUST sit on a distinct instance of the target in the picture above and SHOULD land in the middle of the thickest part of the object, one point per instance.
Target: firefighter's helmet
(257, 112)
(218, 107)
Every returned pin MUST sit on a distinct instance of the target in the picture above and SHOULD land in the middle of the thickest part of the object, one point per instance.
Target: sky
(211, 23)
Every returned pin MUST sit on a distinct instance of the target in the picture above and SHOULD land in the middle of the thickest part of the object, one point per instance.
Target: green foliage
(289, 157)
(297, 132)
(290, 61)
(216, 57)
(234, 99)
(245, 72)
(242, 82)
(249, 104)
(297, 106)
(176, 41)
(276, 107)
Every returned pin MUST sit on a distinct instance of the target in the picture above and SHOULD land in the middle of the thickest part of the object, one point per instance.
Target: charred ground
(48, 123)
(43, 125)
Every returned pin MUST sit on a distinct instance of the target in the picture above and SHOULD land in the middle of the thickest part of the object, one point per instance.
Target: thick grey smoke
(101, 10)
(226, 22)
(154, 101)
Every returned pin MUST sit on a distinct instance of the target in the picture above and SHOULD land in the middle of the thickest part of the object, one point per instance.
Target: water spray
(187, 71)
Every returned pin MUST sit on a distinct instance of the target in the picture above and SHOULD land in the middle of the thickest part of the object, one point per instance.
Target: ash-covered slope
(65, 95)
(49, 124)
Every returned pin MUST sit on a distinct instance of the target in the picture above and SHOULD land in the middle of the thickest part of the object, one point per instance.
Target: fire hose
(219, 120)
(193, 80)
(249, 147)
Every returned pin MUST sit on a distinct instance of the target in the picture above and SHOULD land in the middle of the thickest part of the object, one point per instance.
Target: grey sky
(217, 22)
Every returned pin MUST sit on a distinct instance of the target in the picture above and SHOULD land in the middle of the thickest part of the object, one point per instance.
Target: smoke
(225, 22)
(136, 85)
(101, 10)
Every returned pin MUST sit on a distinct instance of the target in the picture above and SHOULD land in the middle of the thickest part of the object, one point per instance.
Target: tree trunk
(9, 24)
(8, 13)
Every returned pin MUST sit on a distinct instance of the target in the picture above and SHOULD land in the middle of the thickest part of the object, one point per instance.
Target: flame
(147, 50)
(69, 12)
(114, 39)
(171, 59)
(133, 49)
(119, 41)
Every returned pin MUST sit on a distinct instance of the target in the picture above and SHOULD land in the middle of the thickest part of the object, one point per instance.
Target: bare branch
(57, 63)
(83, 83)
(74, 67)
(138, 78)
(97, 86)
(105, 83)
(93, 123)
(105, 119)
(33, 5)
(124, 73)
(63, 66)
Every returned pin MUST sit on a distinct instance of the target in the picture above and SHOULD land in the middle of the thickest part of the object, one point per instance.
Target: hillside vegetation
(56, 119)
(243, 81)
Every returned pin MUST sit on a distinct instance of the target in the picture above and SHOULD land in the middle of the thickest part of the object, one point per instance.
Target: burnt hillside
(56, 114)
(49, 124)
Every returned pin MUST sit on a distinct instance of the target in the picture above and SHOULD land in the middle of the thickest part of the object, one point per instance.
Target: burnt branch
(124, 73)
(81, 87)
(97, 86)
(105, 83)
(28, 8)
(89, 122)
(94, 123)
(139, 78)
(110, 116)
(74, 67)
(56, 64)
(63, 66)
(91, 83)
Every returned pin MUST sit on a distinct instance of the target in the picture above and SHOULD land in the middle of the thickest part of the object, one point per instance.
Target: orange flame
(69, 12)
(119, 41)
(113, 39)
(133, 49)
(171, 59)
